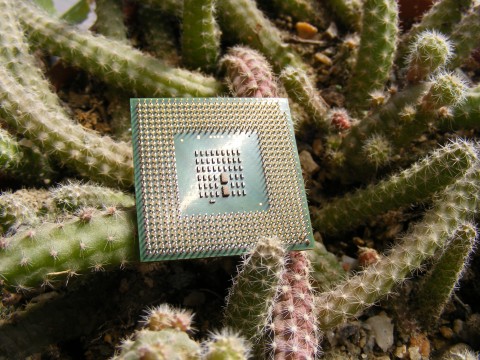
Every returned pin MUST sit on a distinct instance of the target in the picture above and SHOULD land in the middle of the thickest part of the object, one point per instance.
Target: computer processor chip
(212, 175)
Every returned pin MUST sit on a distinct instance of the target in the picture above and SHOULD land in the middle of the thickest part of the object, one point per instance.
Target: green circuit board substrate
(212, 175)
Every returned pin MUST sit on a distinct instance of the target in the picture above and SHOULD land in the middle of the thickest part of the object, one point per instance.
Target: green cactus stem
(418, 183)
(15, 56)
(442, 17)
(429, 51)
(376, 53)
(248, 73)
(97, 157)
(200, 35)
(455, 205)
(166, 317)
(294, 323)
(466, 36)
(24, 160)
(164, 344)
(92, 241)
(327, 270)
(244, 21)
(349, 12)
(437, 287)
(300, 89)
(74, 195)
(23, 207)
(110, 20)
(226, 344)
(113, 61)
(465, 116)
(250, 301)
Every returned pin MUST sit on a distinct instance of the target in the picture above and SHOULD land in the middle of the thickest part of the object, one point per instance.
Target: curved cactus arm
(112, 61)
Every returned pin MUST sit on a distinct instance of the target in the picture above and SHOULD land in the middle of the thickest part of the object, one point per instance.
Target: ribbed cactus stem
(436, 289)
(23, 207)
(442, 17)
(348, 11)
(466, 36)
(226, 344)
(250, 301)
(164, 344)
(248, 73)
(92, 241)
(74, 195)
(294, 323)
(23, 160)
(327, 270)
(200, 35)
(417, 183)
(429, 51)
(301, 90)
(91, 155)
(456, 204)
(377, 50)
(15, 56)
(244, 21)
(112, 61)
(110, 20)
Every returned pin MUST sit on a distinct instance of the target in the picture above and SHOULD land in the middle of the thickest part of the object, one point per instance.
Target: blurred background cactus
(385, 97)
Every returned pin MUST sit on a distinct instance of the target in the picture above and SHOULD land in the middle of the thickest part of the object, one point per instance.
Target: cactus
(326, 269)
(429, 51)
(200, 35)
(465, 36)
(417, 183)
(293, 323)
(24, 207)
(457, 204)
(91, 241)
(348, 11)
(248, 73)
(436, 289)
(442, 17)
(110, 20)
(24, 160)
(299, 88)
(377, 50)
(74, 195)
(250, 301)
(226, 344)
(114, 62)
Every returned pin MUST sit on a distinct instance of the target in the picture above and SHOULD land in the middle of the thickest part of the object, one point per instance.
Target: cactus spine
(73, 196)
(442, 17)
(250, 301)
(226, 344)
(294, 324)
(248, 73)
(457, 203)
(113, 61)
(377, 50)
(438, 286)
(429, 51)
(465, 36)
(200, 36)
(91, 241)
(417, 183)
(300, 89)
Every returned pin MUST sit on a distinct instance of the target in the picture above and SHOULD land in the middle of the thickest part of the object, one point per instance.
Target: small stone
(308, 164)
(306, 30)
(421, 341)
(367, 256)
(332, 31)
(382, 329)
(446, 332)
(317, 147)
(323, 59)
(457, 326)
(414, 353)
(400, 351)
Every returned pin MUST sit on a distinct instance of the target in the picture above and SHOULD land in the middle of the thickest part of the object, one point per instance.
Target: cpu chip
(212, 175)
